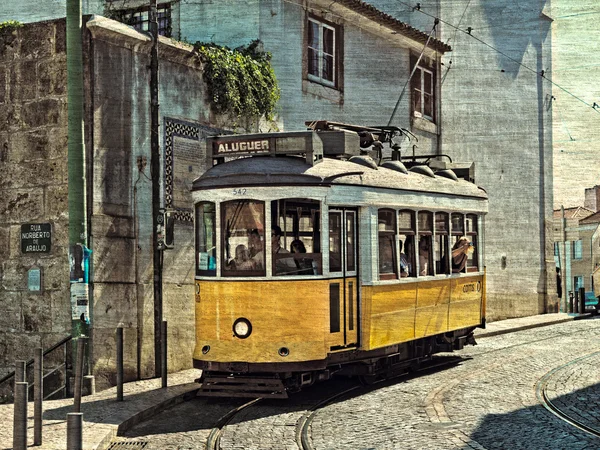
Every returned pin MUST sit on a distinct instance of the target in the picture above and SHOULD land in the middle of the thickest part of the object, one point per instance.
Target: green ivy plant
(9, 25)
(239, 81)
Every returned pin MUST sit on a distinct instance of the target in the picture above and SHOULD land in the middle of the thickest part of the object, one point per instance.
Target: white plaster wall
(36, 10)
(495, 113)
(575, 68)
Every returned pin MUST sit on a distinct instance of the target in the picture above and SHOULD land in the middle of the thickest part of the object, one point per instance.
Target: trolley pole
(155, 174)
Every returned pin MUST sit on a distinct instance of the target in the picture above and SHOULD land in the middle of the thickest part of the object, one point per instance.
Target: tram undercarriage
(244, 380)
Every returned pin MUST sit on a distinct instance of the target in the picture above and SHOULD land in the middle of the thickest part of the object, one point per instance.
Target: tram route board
(36, 238)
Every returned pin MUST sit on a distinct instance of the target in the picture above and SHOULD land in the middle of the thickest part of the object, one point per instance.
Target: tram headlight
(242, 328)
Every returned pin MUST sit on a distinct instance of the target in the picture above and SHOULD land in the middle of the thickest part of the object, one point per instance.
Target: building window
(577, 283)
(423, 88)
(578, 249)
(138, 18)
(322, 42)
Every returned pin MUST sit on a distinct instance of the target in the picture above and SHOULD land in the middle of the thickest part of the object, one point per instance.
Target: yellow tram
(313, 260)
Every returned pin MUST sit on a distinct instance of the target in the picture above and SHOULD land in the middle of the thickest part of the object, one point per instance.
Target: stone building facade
(34, 189)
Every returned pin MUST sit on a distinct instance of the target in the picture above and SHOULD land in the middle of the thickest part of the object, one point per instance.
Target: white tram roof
(294, 171)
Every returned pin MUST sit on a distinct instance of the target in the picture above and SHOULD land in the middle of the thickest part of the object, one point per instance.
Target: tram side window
(473, 258)
(425, 241)
(440, 245)
(297, 251)
(406, 240)
(205, 239)
(243, 231)
(386, 230)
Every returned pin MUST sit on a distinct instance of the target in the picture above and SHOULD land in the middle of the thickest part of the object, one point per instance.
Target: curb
(144, 415)
(526, 327)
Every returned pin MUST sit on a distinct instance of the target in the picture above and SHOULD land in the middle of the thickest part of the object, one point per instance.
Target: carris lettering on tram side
(36, 238)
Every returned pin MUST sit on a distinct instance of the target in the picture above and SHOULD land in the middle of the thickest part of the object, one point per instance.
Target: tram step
(251, 387)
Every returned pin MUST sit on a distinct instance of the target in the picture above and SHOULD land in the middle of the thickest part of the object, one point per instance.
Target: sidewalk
(104, 417)
(525, 323)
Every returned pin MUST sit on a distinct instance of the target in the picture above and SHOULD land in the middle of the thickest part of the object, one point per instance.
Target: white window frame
(320, 51)
(578, 249)
(421, 90)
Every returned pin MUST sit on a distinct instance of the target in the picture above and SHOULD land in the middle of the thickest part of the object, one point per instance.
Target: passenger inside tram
(404, 264)
(255, 247)
(304, 265)
(285, 265)
(242, 260)
(424, 255)
(460, 254)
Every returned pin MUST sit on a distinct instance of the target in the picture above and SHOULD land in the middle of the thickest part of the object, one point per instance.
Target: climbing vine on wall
(6, 31)
(239, 81)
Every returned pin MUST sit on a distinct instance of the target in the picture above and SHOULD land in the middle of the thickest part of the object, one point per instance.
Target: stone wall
(33, 188)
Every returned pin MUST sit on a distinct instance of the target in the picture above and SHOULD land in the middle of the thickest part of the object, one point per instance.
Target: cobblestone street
(488, 401)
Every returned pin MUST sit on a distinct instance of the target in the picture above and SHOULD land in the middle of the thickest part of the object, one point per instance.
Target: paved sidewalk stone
(103, 416)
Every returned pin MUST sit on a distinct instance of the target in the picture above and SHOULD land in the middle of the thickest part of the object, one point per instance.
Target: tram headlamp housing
(242, 328)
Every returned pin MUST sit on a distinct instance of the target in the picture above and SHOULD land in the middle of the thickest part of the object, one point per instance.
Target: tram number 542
(240, 191)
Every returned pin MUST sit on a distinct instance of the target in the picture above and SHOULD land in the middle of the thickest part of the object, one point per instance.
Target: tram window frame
(386, 238)
(441, 243)
(202, 239)
(425, 239)
(472, 233)
(335, 256)
(457, 231)
(250, 230)
(406, 222)
(291, 211)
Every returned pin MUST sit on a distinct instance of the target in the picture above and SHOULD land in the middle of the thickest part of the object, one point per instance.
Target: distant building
(574, 229)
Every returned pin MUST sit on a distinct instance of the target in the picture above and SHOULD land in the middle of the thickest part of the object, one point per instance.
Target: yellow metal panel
(391, 312)
(394, 297)
(290, 312)
(464, 314)
(392, 328)
(466, 302)
(433, 298)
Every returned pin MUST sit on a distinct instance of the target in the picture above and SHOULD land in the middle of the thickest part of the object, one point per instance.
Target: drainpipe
(76, 156)
(155, 174)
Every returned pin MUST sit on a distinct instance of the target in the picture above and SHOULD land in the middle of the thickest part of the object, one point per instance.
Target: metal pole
(164, 354)
(155, 174)
(570, 303)
(120, 364)
(20, 417)
(20, 371)
(75, 431)
(576, 301)
(38, 395)
(79, 373)
(581, 300)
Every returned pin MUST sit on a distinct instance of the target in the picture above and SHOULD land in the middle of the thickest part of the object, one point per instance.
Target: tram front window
(205, 239)
(243, 232)
(296, 237)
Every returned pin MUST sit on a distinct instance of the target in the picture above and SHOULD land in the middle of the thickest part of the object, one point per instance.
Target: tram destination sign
(301, 143)
(229, 147)
(36, 238)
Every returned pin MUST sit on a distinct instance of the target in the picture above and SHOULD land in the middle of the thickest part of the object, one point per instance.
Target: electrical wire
(506, 56)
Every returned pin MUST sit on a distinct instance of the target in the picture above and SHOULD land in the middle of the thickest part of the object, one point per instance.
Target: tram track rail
(214, 438)
(552, 407)
(303, 425)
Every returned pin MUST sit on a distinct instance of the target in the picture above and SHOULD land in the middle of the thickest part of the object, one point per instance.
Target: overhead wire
(542, 74)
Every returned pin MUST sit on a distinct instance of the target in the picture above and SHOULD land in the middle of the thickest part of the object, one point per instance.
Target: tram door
(343, 289)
